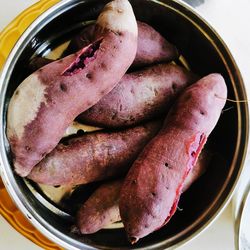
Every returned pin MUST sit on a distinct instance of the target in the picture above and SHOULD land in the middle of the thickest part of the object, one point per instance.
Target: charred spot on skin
(17, 92)
(134, 181)
(153, 194)
(89, 75)
(86, 55)
(27, 148)
(202, 112)
(63, 87)
(57, 186)
(167, 166)
(102, 92)
(103, 65)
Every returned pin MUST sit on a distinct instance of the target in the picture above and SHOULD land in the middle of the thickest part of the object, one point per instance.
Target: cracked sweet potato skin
(102, 208)
(93, 156)
(139, 96)
(46, 102)
(152, 188)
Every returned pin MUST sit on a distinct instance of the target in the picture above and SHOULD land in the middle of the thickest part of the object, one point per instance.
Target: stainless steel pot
(204, 52)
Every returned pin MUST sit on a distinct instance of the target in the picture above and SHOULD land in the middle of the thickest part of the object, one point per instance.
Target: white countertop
(231, 19)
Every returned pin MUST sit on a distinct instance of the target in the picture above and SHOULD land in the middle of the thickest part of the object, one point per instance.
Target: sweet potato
(93, 156)
(152, 188)
(152, 48)
(46, 102)
(102, 207)
(139, 96)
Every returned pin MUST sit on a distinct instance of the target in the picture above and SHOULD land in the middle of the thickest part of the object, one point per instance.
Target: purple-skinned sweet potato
(93, 156)
(153, 185)
(152, 48)
(102, 207)
(46, 102)
(139, 96)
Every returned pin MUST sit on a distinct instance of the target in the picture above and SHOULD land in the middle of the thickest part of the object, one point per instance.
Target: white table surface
(232, 22)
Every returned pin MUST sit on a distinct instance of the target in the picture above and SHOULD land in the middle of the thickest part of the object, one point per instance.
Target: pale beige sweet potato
(45, 103)
(153, 185)
(93, 156)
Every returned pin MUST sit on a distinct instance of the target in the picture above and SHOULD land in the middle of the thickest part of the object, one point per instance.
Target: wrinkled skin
(45, 103)
(152, 188)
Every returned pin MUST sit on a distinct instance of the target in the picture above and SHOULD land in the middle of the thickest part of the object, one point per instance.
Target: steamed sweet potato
(102, 207)
(46, 102)
(139, 96)
(152, 188)
(152, 48)
(93, 156)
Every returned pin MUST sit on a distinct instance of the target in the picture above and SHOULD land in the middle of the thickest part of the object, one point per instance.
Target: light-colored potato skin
(153, 185)
(139, 96)
(45, 103)
(93, 156)
(102, 208)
